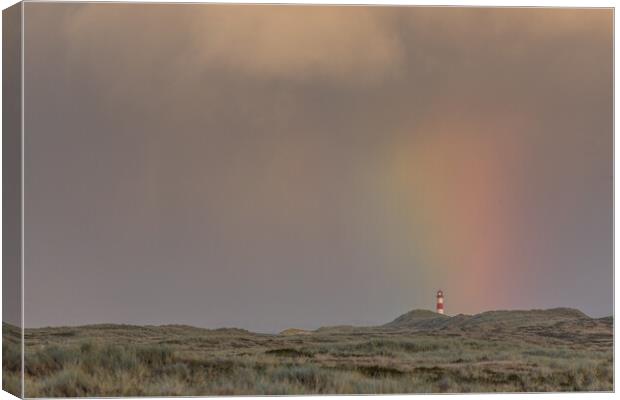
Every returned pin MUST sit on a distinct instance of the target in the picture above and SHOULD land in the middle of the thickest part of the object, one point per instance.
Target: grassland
(422, 352)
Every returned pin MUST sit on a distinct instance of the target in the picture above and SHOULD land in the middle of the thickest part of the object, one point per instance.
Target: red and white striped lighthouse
(439, 302)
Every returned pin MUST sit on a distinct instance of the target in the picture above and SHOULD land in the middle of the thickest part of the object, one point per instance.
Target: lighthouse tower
(439, 302)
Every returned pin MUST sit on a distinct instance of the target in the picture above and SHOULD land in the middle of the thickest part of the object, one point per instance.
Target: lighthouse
(439, 302)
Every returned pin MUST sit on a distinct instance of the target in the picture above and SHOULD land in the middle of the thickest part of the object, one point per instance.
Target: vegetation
(11, 359)
(553, 354)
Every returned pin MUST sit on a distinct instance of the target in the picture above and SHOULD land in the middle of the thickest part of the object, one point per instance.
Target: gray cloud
(238, 165)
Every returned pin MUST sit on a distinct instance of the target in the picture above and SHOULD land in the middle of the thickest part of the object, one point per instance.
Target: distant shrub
(211, 367)
(379, 371)
(289, 352)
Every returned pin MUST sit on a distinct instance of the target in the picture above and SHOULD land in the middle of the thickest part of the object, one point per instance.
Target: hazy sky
(268, 167)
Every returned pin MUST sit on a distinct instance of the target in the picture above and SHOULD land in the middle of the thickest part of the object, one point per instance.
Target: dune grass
(168, 361)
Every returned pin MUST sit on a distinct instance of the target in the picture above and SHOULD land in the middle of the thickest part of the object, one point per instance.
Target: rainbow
(450, 181)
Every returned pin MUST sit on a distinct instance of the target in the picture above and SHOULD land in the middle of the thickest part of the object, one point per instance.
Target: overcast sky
(267, 167)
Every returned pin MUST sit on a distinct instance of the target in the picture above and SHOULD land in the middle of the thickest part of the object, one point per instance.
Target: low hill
(425, 319)
(417, 319)
(295, 331)
(518, 318)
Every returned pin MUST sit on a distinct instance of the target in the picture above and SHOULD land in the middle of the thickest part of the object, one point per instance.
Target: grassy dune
(417, 354)
(11, 359)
